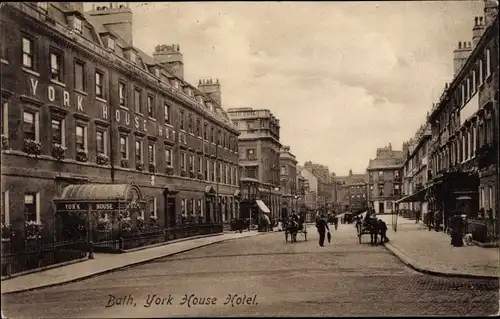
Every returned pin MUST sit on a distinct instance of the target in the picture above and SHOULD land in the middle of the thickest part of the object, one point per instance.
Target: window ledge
(100, 99)
(81, 92)
(58, 83)
(30, 72)
(123, 107)
(151, 118)
(138, 113)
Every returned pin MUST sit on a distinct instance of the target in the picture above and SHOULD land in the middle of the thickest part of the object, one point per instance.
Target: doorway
(381, 208)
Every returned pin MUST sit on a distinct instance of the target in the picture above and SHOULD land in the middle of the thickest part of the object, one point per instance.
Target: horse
(373, 227)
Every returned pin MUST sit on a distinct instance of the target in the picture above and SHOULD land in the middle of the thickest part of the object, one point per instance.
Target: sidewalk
(103, 263)
(431, 252)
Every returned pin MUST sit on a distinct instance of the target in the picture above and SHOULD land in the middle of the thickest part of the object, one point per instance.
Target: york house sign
(84, 206)
(52, 95)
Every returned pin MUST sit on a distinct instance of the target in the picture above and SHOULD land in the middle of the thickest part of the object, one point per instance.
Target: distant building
(351, 195)
(288, 182)
(320, 179)
(385, 179)
(259, 154)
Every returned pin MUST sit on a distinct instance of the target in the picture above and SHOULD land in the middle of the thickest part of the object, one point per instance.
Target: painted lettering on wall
(51, 95)
(123, 117)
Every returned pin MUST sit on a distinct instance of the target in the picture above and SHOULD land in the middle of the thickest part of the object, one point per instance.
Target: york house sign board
(86, 206)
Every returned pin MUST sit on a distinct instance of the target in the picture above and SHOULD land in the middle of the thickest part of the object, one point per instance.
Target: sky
(344, 78)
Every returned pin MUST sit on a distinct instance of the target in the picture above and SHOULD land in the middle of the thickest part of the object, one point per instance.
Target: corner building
(82, 105)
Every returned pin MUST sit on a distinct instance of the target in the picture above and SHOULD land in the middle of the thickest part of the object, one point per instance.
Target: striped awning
(262, 206)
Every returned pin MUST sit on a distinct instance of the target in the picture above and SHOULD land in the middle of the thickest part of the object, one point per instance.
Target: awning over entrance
(418, 196)
(262, 206)
(101, 192)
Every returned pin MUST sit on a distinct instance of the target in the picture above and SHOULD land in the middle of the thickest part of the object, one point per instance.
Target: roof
(100, 192)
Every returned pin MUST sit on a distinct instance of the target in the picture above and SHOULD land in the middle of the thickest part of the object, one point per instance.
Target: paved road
(302, 279)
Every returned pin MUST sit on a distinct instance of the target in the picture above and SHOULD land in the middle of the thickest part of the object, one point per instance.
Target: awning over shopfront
(262, 206)
(418, 196)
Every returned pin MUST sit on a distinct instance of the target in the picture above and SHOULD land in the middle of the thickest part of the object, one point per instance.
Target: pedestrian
(437, 220)
(335, 222)
(382, 226)
(430, 219)
(322, 227)
(417, 216)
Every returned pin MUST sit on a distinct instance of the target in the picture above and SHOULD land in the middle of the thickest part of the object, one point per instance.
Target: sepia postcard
(255, 159)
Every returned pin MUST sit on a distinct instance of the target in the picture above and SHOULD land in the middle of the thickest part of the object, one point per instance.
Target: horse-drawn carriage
(368, 225)
(293, 228)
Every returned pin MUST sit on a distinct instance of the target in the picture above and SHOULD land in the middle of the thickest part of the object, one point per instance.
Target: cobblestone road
(343, 278)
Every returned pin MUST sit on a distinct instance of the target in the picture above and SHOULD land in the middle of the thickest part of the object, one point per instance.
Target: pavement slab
(432, 252)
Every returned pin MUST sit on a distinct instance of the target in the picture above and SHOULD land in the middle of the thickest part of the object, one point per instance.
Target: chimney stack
(477, 30)
(490, 11)
(212, 88)
(460, 55)
(170, 56)
(117, 16)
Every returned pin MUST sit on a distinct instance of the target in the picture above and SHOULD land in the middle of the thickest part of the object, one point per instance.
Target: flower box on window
(58, 151)
(33, 229)
(126, 224)
(5, 142)
(153, 221)
(139, 165)
(152, 168)
(201, 176)
(192, 174)
(102, 159)
(169, 170)
(32, 147)
(183, 173)
(124, 163)
(81, 155)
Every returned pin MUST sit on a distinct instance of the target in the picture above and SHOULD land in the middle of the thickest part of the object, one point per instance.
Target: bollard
(91, 248)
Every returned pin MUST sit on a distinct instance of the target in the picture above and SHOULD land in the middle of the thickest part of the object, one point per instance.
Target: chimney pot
(459, 45)
(470, 45)
(480, 20)
(475, 20)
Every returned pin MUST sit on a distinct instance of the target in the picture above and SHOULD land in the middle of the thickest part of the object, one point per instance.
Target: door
(170, 209)
(208, 210)
(381, 208)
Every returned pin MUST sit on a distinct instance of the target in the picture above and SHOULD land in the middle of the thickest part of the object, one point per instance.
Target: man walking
(322, 227)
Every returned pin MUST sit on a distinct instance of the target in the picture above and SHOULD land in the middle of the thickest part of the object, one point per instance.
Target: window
(221, 172)
(133, 57)
(5, 218)
(28, 53)
(57, 130)
(380, 173)
(99, 80)
(32, 207)
(181, 120)
(151, 106)
(224, 140)
(151, 153)
(212, 133)
(482, 198)
(200, 164)
(467, 92)
(214, 173)
(43, 5)
(190, 123)
(250, 153)
(5, 119)
(111, 43)
(474, 83)
(100, 142)
(490, 199)
(191, 163)
(219, 142)
(168, 156)
(283, 170)
(78, 25)
(56, 62)
(137, 101)
(183, 161)
(152, 207)
(198, 127)
(80, 76)
(157, 72)
(29, 126)
(166, 110)
(207, 170)
(122, 89)
(81, 143)
(183, 206)
(205, 131)
(488, 63)
(138, 151)
(123, 147)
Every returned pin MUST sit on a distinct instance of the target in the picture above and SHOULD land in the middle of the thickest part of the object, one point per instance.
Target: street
(271, 278)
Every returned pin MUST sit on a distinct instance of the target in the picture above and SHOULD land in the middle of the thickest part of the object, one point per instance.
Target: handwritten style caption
(192, 300)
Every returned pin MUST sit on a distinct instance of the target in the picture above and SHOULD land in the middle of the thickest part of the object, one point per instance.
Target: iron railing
(31, 254)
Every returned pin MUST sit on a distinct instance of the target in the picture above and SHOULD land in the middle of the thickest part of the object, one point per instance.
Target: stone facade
(78, 111)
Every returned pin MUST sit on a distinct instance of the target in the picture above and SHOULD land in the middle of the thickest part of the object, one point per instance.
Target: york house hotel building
(86, 116)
